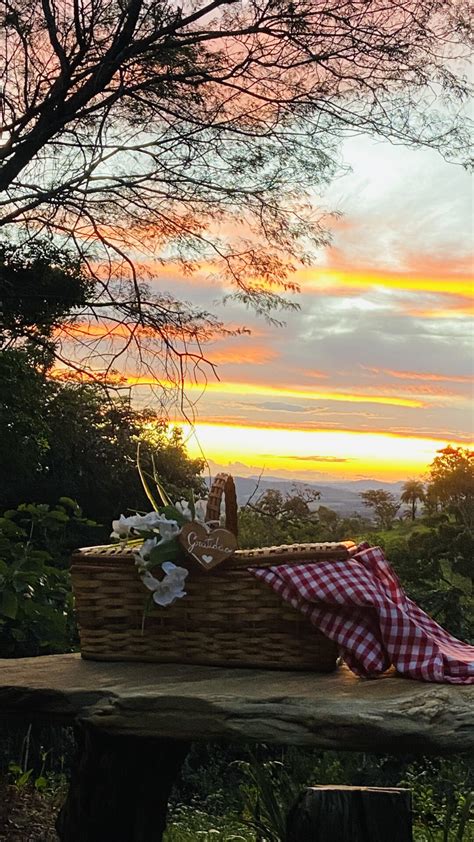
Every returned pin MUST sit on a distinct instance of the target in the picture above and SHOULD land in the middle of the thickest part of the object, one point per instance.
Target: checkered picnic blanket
(360, 604)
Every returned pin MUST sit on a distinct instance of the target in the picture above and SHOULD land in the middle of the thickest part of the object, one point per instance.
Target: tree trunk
(119, 788)
(351, 814)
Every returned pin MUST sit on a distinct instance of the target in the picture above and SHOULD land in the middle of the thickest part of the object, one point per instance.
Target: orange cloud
(440, 267)
(440, 313)
(416, 264)
(419, 375)
(253, 354)
(100, 330)
(112, 378)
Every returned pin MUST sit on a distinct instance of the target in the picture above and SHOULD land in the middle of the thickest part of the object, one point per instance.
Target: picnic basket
(228, 617)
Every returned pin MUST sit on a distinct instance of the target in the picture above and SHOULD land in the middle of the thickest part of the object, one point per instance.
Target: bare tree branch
(149, 133)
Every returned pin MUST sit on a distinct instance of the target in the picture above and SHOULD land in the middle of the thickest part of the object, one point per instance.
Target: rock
(337, 711)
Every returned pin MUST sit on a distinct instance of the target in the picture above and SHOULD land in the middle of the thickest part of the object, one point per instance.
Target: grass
(187, 824)
(27, 815)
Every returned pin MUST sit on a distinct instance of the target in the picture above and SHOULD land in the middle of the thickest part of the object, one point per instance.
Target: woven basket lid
(259, 557)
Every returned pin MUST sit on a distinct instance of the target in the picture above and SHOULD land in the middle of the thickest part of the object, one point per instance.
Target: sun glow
(342, 453)
(322, 279)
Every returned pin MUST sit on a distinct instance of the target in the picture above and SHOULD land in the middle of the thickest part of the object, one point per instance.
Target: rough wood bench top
(336, 711)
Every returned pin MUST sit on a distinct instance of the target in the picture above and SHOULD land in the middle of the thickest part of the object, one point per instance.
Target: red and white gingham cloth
(360, 604)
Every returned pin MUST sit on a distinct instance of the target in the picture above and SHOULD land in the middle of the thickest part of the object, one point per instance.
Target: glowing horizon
(342, 453)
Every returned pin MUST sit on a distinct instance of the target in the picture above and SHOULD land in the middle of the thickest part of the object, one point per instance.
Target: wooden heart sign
(208, 547)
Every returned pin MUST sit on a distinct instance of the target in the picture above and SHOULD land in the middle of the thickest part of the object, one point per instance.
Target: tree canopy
(153, 135)
(413, 491)
(64, 438)
(451, 482)
(384, 504)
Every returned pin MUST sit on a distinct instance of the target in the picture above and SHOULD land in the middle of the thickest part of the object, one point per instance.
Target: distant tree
(278, 518)
(293, 505)
(328, 519)
(451, 482)
(336, 527)
(384, 504)
(413, 491)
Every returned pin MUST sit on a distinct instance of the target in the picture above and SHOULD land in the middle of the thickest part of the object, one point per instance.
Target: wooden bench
(134, 723)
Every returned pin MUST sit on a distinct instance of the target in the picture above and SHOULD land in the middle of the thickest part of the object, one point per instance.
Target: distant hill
(341, 496)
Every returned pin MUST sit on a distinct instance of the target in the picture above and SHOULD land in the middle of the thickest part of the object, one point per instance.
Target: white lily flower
(144, 551)
(167, 593)
(152, 520)
(144, 523)
(200, 509)
(149, 581)
(170, 588)
(174, 573)
(183, 508)
(168, 529)
(121, 528)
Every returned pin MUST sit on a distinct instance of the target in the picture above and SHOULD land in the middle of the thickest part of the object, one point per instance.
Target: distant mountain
(341, 496)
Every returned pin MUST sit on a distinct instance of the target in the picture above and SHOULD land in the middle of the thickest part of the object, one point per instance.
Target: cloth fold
(360, 604)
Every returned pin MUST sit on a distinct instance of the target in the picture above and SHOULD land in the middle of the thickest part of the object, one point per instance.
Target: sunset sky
(374, 373)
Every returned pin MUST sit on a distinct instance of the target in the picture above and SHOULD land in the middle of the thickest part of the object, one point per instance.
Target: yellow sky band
(315, 278)
(279, 392)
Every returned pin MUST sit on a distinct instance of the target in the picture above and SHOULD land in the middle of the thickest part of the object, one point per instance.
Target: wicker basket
(228, 617)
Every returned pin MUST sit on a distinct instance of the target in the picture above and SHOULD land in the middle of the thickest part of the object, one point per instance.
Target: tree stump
(119, 788)
(351, 814)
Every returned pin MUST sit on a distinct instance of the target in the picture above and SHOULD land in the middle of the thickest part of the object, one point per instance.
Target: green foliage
(221, 783)
(40, 285)
(35, 595)
(190, 824)
(451, 483)
(24, 430)
(436, 569)
(268, 792)
(443, 797)
(294, 519)
(257, 530)
(69, 436)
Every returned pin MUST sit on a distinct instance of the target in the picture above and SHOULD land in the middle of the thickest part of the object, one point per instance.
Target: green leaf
(11, 529)
(173, 514)
(70, 504)
(162, 492)
(168, 551)
(144, 483)
(8, 604)
(24, 778)
(59, 516)
(41, 783)
(15, 769)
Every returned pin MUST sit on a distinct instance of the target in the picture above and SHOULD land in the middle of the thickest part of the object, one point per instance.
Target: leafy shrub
(36, 615)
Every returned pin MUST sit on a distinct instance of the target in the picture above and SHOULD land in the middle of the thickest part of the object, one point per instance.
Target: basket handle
(223, 485)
